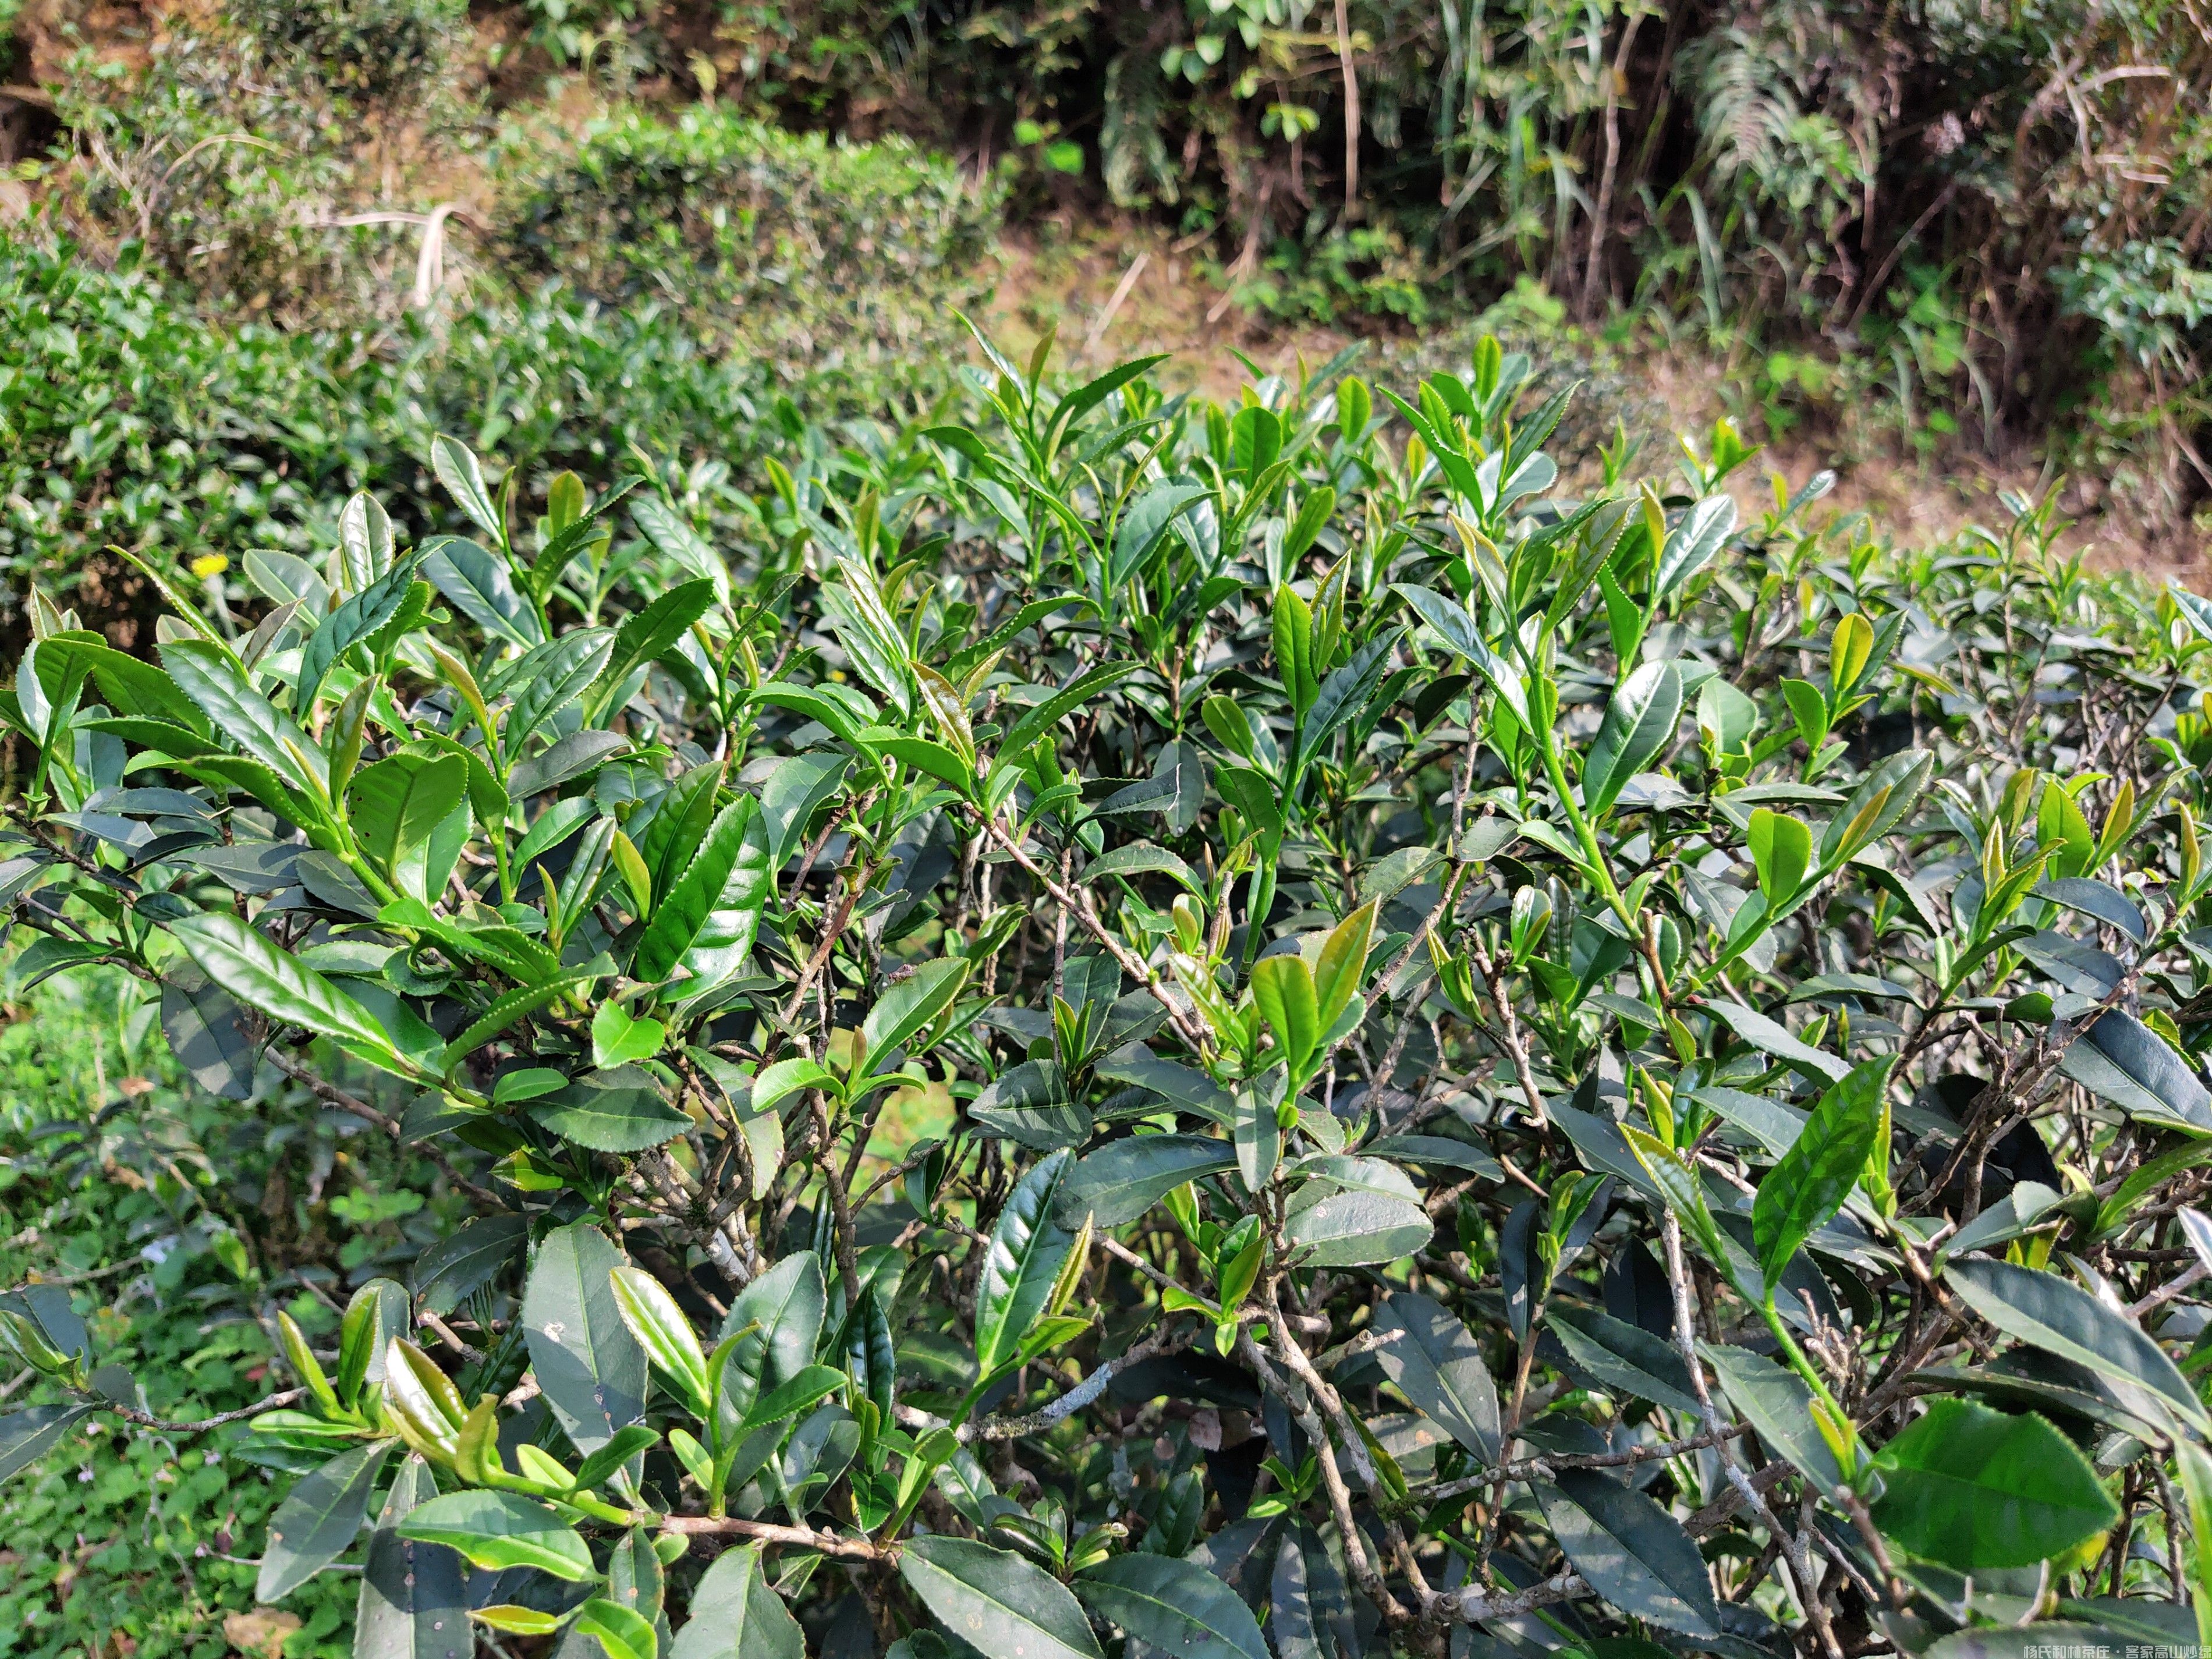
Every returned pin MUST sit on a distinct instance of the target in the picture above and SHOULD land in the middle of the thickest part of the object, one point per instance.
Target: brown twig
(767, 1532)
(146, 1421)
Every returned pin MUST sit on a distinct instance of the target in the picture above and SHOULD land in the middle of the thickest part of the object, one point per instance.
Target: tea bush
(379, 52)
(261, 156)
(813, 253)
(127, 418)
(1493, 1072)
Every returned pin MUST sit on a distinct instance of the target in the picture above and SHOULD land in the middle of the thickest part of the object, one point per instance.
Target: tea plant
(1506, 1071)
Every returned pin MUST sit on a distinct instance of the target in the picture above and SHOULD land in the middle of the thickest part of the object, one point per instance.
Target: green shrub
(265, 156)
(1478, 1054)
(384, 52)
(815, 255)
(128, 419)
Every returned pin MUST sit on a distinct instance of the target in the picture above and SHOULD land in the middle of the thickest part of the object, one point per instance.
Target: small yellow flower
(209, 564)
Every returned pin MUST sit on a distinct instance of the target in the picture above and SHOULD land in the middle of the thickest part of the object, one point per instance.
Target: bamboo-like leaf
(1028, 1249)
(646, 634)
(212, 679)
(358, 616)
(28, 1435)
(320, 1519)
(247, 965)
(681, 914)
(1818, 1172)
(670, 1344)
(480, 587)
(909, 1007)
(570, 664)
(501, 1529)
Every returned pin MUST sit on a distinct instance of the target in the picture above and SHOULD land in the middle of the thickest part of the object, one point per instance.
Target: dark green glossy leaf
(250, 967)
(570, 664)
(1028, 1249)
(1778, 1404)
(355, 618)
(1634, 1554)
(1042, 717)
(1146, 520)
(1816, 1175)
(2120, 1060)
(646, 634)
(622, 1110)
(574, 756)
(680, 823)
(203, 1023)
(1640, 722)
(1029, 1105)
(1624, 1358)
(997, 1601)
(1174, 1605)
(902, 1012)
(480, 585)
(1772, 1036)
(794, 792)
(788, 1301)
(212, 678)
(1974, 1489)
(719, 949)
(1368, 1213)
(1119, 1183)
(457, 1265)
(2044, 1311)
(681, 915)
(397, 805)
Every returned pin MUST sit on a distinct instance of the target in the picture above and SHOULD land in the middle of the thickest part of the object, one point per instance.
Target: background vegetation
(1949, 227)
